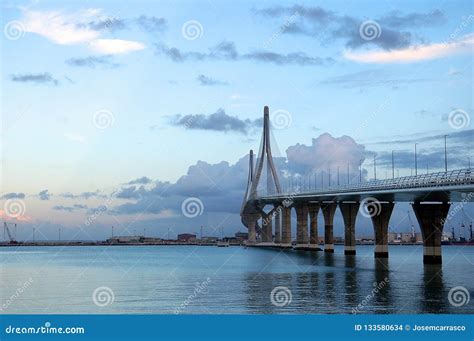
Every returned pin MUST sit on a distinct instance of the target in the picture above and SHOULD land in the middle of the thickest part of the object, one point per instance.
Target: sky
(115, 113)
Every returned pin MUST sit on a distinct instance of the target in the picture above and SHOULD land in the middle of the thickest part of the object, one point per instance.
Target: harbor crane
(7, 230)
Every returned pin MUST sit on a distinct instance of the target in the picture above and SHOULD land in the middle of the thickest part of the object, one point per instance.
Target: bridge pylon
(250, 211)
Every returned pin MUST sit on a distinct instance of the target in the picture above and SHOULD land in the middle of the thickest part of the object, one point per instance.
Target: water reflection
(433, 290)
(382, 286)
(350, 283)
(242, 280)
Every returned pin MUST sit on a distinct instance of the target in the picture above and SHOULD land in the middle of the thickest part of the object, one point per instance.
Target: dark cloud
(297, 58)
(152, 24)
(218, 121)
(112, 24)
(44, 195)
(227, 51)
(140, 181)
(209, 81)
(13, 195)
(396, 19)
(37, 78)
(93, 61)
(370, 78)
(69, 208)
(327, 26)
(84, 195)
(462, 137)
(221, 186)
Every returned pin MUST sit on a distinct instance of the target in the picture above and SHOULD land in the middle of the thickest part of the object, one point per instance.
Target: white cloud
(69, 29)
(115, 46)
(415, 53)
(61, 28)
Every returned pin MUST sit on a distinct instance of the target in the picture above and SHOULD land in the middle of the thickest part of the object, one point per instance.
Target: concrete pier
(313, 210)
(349, 214)
(380, 215)
(431, 217)
(286, 227)
(301, 225)
(252, 223)
(277, 215)
(328, 212)
(267, 230)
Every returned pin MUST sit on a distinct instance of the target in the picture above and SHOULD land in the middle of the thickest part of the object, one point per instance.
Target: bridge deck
(455, 185)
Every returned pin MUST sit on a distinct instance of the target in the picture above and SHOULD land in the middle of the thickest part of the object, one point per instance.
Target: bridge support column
(328, 212)
(380, 214)
(266, 236)
(301, 225)
(252, 227)
(313, 210)
(431, 218)
(349, 214)
(286, 227)
(277, 215)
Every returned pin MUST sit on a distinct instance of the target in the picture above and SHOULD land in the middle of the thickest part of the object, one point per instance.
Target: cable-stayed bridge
(430, 195)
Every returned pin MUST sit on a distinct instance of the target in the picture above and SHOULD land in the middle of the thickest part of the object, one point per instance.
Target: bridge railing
(439, 179)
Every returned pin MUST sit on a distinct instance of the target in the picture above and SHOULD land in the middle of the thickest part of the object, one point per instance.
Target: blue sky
(97, 94)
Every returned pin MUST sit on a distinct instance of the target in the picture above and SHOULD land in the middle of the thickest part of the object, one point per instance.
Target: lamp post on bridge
(393, 167)
(329, 176)
(445, 154)
(360, 170)
(348, 176)
(375, 167)
(416, 161)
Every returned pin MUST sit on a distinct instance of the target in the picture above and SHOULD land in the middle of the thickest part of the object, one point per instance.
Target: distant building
(150, 240)
(186, 237)
(241, 235)
(124, 239)
(209, 239)
(446, 236)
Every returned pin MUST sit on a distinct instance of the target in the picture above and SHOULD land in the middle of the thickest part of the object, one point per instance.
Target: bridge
(430, 196)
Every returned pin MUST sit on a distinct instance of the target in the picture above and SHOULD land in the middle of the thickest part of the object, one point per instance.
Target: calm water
(162, 279)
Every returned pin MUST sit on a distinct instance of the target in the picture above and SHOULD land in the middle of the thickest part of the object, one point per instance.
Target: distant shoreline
(184, 244)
